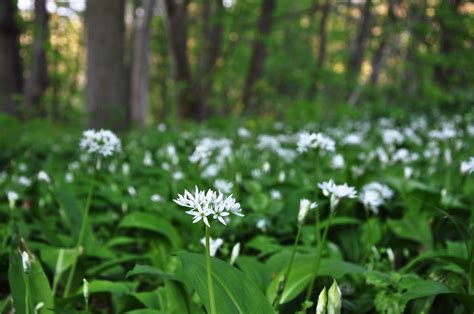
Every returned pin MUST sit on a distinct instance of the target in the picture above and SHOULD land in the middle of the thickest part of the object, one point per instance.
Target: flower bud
(334, 299)
(235, 253)
(322, 301)
(25, 261)
(85, 288)
(12, 198)
(305, 206)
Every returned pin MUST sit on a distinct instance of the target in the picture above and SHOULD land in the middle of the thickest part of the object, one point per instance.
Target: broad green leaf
(255, 270)
(118, 288)
(152, 222)
(39, 287)
(300, 275)
(235, 292)
(418, 288)
(266, 245)
(149, 271)
(413, 228)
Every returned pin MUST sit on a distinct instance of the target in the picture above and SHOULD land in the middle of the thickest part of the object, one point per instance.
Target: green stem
(80, 239)
(281, 289)
(470, 279)
(27, 294)
(319, 254)
(210, 287)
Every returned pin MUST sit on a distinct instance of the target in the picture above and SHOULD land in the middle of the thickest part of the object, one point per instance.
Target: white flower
(85, 288)
(203, 204)
(25, 181)
(262, 225)
(22, 167)
(103, 142)
(337, 162)
(322, 302)
(235, 253)
(177, 175)
(374, 194)
(25, 261)
(305, 206)
(467, 166)
(148, 159)
(132, 191)
(214, 245)
(281, 176)
(161, 127)
(337, 192)
(69, 177)
(156, 198)
(275, 194)
(243, 132)
(210, 171)
(408, 172)
(308, 141)
(43, 176)
(12, 198)
(223, 185)
(353, 139)
(392, 137)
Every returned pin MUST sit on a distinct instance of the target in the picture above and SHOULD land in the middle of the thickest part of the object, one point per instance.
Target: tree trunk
(11, 70)
(38, 80)
(210, 51)
(141, 62)
(357, 50)
(381, 52)
(259, 53)
(106, 89)
(188, 94)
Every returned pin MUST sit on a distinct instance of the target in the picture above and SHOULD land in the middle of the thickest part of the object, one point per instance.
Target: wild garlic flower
(334, 299)
(12, 198)
(322, 302)
(374, 194)
(337, 192)
(103, 143)
(85, 288)
(308, 141)
(305, 206)
(467, 166)
(214, 245)
(209, 204)
(223, 185)
(43, 176)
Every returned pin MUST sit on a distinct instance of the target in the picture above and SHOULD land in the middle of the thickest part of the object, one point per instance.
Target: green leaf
(114, 287)
(39, 287)
(413, 228)
(149, 270)
(300, 275)
(152, 222)
(234, 291)
(416, 288)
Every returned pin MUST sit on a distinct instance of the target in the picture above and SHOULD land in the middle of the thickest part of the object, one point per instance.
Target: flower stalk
(210, 287)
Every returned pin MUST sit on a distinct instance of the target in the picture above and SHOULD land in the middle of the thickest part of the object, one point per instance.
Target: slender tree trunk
(11, 69)
(259, 54)
(38, 80)
(106, 89)
(381, 52)
(210, 51)
(357, 50)
(141, 62)
(322, 35)
(188, 94)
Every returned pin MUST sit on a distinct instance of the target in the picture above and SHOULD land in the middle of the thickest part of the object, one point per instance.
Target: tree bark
(187, 93)
(106, 90)
(11, 69)
(38, 80)
(141, 62)
(259, 53)
(381, 52)
(357, 50)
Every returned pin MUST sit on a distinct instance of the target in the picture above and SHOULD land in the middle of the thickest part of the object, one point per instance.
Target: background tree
(11, 70)
(106, 91)
(37, 81)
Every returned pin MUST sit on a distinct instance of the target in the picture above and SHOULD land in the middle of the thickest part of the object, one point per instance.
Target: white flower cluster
(374, 194)
(103, 142)
(467, 166)
(204, 204)
(308, 141)
(337, 192)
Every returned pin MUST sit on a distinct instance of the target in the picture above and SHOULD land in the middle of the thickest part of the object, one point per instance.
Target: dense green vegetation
(409, 253)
